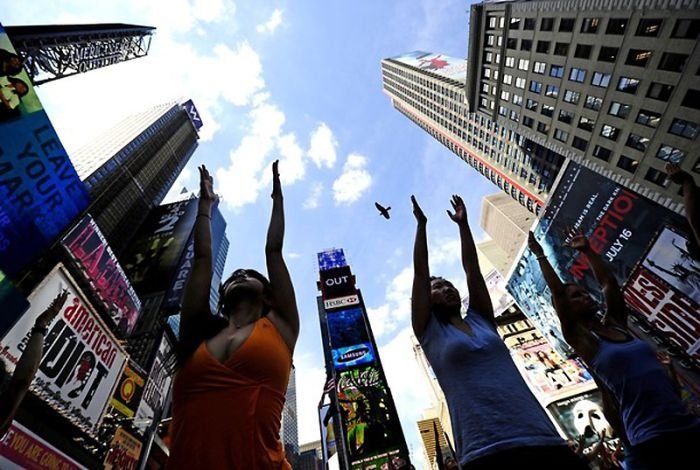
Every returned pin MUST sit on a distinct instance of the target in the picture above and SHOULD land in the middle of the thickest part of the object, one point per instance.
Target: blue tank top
(648, 402)
(491, 407)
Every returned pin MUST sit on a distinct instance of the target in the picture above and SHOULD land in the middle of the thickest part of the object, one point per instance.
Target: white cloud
(395, 313)
(314, 198)
(322, 146)
(310, 379)
(293, 255)
(271, 24)
(291, 165)
(354, 181)
(184, 181)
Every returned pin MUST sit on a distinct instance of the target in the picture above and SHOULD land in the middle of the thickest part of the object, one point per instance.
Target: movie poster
(157, 386)
(21, 449)
(127, 394)
(581, 415)
(349, 339)
(124, 452)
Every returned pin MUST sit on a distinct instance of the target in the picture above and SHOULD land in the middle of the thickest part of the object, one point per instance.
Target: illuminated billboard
(157, 386)
(620, 225)
(338, 288)
(40, 191)
(127, 393)
(350, 343)
(439, 64)
(22, 449)
(82, 359)
(90, 249)
(13, 304)
(124, 451)
(333, 258)
(581, 415)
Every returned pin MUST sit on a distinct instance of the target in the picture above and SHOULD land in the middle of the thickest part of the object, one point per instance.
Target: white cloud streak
(353, 182)
(271, 25)
(322, 149)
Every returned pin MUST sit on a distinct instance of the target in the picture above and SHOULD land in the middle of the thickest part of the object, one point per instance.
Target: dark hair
(15, 81)
(267, 288)
(11, 69)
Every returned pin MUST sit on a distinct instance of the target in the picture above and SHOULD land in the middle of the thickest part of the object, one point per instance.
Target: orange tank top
(227, 415)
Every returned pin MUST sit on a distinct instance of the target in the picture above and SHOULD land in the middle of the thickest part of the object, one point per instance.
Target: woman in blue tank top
(658, 427)
(496, 420)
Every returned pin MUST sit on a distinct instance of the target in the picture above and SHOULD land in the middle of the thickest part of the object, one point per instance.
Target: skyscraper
(432, 435)
(429, 89)
(129, 169)
(609, 85)
(289, 430)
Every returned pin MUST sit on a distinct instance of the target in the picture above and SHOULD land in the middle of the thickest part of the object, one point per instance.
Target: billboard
(157, 386)
(338, 288)
(439, 64)
(90, 249)
(40, 192)
(333, 258)
(127, 394)
(13, 304)
(325, 417)
(619, 223)
(124, 451)
(581, 415)
(82, 359)
(350, 343)
(154, 256)
(21, 449)
(193, 114)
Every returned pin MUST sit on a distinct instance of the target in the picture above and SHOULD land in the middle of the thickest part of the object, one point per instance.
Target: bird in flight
(383, 211)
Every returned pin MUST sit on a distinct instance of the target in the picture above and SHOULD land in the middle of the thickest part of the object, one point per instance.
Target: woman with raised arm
(656, 423)
(496, 420)
(233, 368)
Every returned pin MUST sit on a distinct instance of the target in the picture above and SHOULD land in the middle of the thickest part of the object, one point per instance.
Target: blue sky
(299, 81)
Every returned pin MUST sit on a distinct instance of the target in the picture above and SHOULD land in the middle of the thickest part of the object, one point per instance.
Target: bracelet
(541, 257)
(40, 329)
(204, 215)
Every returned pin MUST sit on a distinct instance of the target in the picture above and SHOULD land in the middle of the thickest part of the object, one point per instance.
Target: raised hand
(276, 186)
(45, 319)
(418, 212)
(675, 173)
(460, 214)
(206, 186)
(534, 245)
(578, 241)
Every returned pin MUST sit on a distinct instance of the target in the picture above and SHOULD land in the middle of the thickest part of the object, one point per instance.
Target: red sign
(20, 448)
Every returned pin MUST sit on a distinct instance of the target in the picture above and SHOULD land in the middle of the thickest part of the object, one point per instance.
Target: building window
(531, 104)
(484, 87)
(528, 121)
(535, 86)
(620, 110)
(593, 102)
(490, 39)
(487, 72)
(517, 100)
(649, 27)
(660, 91)
(525, 44)
(566, 116)
(542, 128)
(552, 91)
(514, 116)
(628, 85)
(670, 154)
(539, 67)
(610, 132)
(561, 48)
(637, 142)
(683, 128)
(586, 124)
(638, 57)
(491, 22)
(561, 135)
(673, 62)
(520, 83)
(566, 25)
(529, 24)
(512, 43)
(547, 24)
(507, 78)
(571, 96)
(556, 71)
(607, 54)
(600, 79)
(602, 153)
(523, 64)
(579, 143)
(686, 29)
(510, 62)
(547, 110)
(616, 26)
(655, 176)
(488, 57)
(648, 118)
(590, 25)
(583, 51)
(543, 47)
(505, 95)
(692, 99)
(514, 23)
(627, 164)
(577, 75)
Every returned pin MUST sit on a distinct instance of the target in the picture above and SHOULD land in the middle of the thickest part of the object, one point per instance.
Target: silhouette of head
(579, 301)
(21, 88)
(12, 64)
(244, 285)
(444, 298)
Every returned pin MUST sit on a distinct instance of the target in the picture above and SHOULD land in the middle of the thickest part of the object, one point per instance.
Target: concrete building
(289, 429)
(498, 258)
(607, 83)
(428, 428)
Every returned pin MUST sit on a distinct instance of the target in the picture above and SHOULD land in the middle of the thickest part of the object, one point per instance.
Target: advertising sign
(325, 418)
(40, 192)
(193, 114)
(338, 288)
(82, 359)
(619, 223)
(439, 64)
(157, 386)
(13, 304)
(581, 415)
(350, 343)
(127, 394)
(369, 421)
(333, 258)
(124, 452)
(154, 256)
(21, 449)
(89, 247)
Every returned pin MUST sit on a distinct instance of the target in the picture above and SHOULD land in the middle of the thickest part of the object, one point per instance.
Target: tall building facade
(507, 223)
(433, 436)
(430, 90)
(129, 169)
(289, 430)
(610, 85)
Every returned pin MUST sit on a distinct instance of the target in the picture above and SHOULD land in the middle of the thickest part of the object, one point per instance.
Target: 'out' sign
(336, 284)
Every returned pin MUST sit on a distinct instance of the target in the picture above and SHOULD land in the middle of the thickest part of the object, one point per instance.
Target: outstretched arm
(420, 295)
(285, 303)
(28, 364)
(691, 196)
(195, 302)
(556, 287)
(614, 301)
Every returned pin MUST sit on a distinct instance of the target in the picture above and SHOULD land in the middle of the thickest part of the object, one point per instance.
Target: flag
(330, 385)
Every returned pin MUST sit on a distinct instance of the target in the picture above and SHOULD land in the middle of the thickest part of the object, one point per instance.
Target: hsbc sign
(338, 288)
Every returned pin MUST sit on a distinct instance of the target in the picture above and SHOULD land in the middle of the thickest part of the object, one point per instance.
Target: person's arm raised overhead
(556, 287)
(195, 303)
(420, 295)
(691, 196)
(479, 297)
(28, 363)
(284, 301)
(614, 301)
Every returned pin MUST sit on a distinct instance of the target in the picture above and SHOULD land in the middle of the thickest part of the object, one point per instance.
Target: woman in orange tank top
(233, 368)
